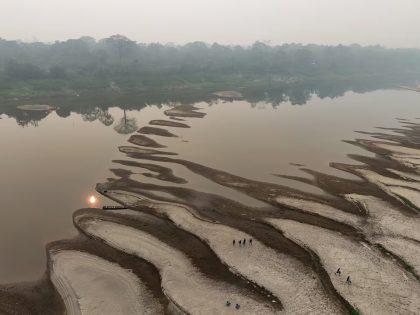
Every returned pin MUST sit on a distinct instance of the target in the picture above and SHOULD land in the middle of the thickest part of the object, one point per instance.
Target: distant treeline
(118, 62)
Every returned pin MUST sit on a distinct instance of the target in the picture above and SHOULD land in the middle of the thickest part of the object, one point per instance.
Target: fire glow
(92, 200)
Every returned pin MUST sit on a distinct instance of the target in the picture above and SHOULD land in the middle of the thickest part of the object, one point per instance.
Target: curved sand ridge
(156, 131)
(402, 190)
(389, 227)
(380, 286)
(137, 150)
(405, 175)
(168, 123)
(184, 111)
(295, 284)
(385, 219)
(407, 249)
(181, 281)
(144, 141)
(320, 209)
(406, 156)
(91, 285)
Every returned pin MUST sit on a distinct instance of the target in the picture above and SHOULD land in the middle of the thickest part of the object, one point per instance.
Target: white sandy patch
(396, 188)
(379, 286)
(237, 184)
(387, 181)
(91, 285)
(294, 284)
(384, 219)
(162, 194)
(320, 209)
(405, 175)
(407, 193)
(406, 160)
(183, 283)
(297, 286)
(127, 199)
(408, 250)
(407, 156)
(398, 149)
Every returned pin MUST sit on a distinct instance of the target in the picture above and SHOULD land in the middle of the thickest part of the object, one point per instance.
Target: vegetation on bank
(119, 64)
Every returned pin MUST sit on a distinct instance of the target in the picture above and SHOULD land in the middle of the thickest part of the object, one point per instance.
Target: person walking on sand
(348, 281)
(338, 272)
(244, 241)
(233, 242)
(239, 243)
(250, 241)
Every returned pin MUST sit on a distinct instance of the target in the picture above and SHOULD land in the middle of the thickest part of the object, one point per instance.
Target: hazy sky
(393, 23)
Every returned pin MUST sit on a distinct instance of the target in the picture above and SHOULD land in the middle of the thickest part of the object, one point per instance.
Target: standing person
(233, 242)
(348, 281)
(239, 243)
(244, 241)
(250, 241)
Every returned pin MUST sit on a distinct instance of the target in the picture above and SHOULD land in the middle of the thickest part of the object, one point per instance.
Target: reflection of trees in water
(297, 94)
(30, 118)
(300, 94)
(126, 125)
(98, 114)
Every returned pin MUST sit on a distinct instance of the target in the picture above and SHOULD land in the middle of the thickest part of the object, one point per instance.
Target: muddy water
(49, 170)
(257, 140)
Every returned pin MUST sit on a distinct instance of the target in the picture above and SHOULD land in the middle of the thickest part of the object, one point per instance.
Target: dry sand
(380, 286)
(295, 284)
(320, 209)
(181, 281)
(91, 285)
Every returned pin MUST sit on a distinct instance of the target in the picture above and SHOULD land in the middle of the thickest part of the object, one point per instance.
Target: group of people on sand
(338, 273)
(237, 306)
(242, 242)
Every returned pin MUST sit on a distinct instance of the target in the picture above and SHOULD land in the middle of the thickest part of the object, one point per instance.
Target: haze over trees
(118, 62)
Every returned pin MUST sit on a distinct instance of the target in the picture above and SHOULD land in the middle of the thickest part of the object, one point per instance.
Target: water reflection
(98, 114)
(29, 118)
(126, 125)
(94, 107)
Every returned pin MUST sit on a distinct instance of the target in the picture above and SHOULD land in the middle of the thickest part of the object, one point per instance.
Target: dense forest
(119, 64)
